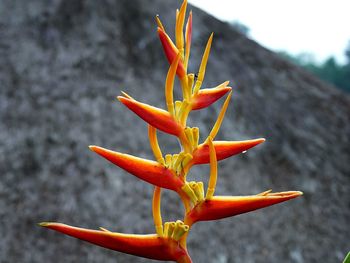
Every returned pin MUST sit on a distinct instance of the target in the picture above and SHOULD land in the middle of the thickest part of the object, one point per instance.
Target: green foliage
(347, 258)
(329, 70)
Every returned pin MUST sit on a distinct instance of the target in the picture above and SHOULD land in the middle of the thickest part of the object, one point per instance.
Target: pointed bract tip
(126, 95)
(120, 97)
(44, 224)
(104, 229)
(123, 99)
(291, 194)
(299, 193)
(260, 140)
(93, 147)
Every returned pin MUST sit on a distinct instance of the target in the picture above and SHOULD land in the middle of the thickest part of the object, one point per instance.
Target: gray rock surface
(62, 62)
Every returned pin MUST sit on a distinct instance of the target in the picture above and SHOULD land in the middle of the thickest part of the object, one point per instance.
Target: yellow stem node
(170, 229)
(179, 230)
(168, 160)
(196, 187)
(190, 193)
(185, 112)
(177, 107)
(189, 135)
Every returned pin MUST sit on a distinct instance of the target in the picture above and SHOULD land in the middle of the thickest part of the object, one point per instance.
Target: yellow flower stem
(157, 217)
(190, 81)
(177, 108)
(213, 169)
(152, 134)
(185, 200)
(186, 90)
(185, 113)
(169, 85)
(220, 118)
(203, 65)
(183, 239)
(182, 110)
(195, 134)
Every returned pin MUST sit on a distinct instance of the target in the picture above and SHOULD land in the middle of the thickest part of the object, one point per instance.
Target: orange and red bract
(206, 97)
(171, 52)
(149, 246)
(147, 170)
(226, 206)
(223, 149)
(156, 117)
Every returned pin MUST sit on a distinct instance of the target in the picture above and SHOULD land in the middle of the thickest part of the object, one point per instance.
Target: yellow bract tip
(159, 23)
(105, 230)
(127, 95)
(203, 65)
(220, 118)
(44, 224)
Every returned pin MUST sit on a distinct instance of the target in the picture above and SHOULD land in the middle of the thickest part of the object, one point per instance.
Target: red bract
(206, 97)
(171, 51)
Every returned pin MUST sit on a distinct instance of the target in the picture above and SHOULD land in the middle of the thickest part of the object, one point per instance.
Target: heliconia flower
(206, 97)
(223, 149)
(170, 171)
(147, 170)
(148, 246)
(171, 52)
(156, 117)
(219, 207)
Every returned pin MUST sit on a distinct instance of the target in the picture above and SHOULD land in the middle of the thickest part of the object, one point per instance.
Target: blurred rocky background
(63, 62)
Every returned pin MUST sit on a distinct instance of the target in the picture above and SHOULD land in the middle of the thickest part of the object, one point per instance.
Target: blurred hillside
(62, 64)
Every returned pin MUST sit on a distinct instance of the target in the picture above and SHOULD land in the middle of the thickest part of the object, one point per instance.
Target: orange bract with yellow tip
(171, 171)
